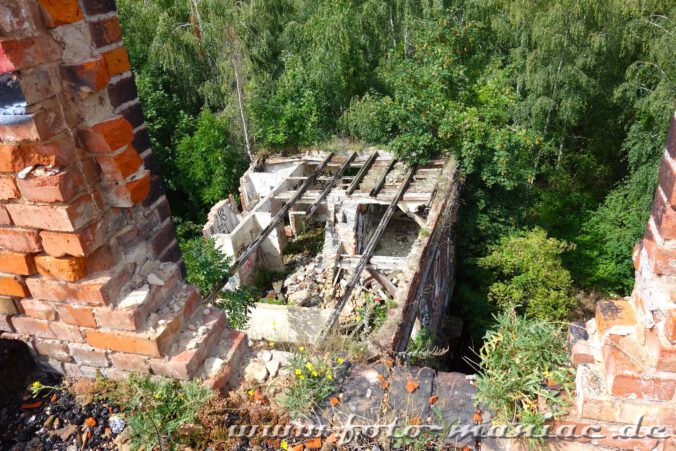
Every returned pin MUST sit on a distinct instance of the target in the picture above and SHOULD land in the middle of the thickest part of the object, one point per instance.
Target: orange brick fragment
(411, 386)
(117, 61)
(60, 12)
(122, 164)
(12, 286)
(8, 189)
(107, 136)
(16, 263)
(62, 268)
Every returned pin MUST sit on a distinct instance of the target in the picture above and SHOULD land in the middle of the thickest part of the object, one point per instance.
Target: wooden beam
(362, 172)
(368, 252)
(243, 256)
(376, 189)
(385, 263)
(313, 208)
(384, 281)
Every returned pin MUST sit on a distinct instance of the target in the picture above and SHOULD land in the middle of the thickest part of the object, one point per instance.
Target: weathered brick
(59, 151)
(614, 314)
(101, 290)
(20, 240)
(80, 243)
(662, 258)
(38, 84)
(16, 263)
(667, 180)
(6, 323)
(664, 217)
(11, 285)
(69, 269)
(86, 355)
(4, 216)
(131, 342)
(18, 19)
(117, 61)
(670, 325)
(107, 136)
(76, 315)
(67, 332)
(38, 309)
(134, 114)
(122, 91)
(60, 12)
(57, 350)
(31, 326)
(23, 53)
(105, 32)
(130, 192)
(102, 259)
(95, 7)
(61, 187)
(120, 165)
(141, 140)
(660, 349)
(134, 363)
(64, 218)
(38, 126)
(8, 306)
(89, 76)
(8, 189)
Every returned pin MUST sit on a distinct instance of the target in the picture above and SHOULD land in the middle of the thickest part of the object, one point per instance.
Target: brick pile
(90, 270)
(626, 355)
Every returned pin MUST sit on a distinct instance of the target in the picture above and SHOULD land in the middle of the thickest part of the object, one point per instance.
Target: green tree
(529, 275)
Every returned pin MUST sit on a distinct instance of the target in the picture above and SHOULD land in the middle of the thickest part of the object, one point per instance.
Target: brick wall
(626, 355)
(90, 270)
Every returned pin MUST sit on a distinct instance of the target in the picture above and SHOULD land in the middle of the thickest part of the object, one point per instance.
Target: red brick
(101, 260)
(4, 216)
(60, 187)
(21, 53)
(122, 91)
(31, 326)
(38, 126)
(76, 315)
(617, 313)
(57, 350)
(18, 19)
(6, 323)
(89, 76)
(120, 165)
(664, 217)
(662, 259)
(660, 349)
(12, 286)
(86, 355)
(130, 362)
(95, 7)
(57, 152)
(107, 136)
(8, 306)
(38, 85)
(67, 332)
(69, 269)
(670, 325)
(80, 243)
(8, 189)
(100, 290)
(60, 12)
(667, 179)
(64, 218)
(38, 309)
(131, 342)
(117, 61)
(670, 143)
(127, 194)
(105, 32)
(20, 240)
(16, 263)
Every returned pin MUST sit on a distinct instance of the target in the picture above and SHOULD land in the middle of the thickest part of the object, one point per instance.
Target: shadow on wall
(16, 364)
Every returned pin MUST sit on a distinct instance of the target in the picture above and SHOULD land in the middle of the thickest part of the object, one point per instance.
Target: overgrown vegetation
(525, 371)
(314, 379)
(556, 111)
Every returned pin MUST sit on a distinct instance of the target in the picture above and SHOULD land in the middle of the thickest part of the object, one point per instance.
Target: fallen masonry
(352, 241)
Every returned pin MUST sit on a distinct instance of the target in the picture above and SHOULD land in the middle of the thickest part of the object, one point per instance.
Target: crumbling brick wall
(626, 355)
(90, 271)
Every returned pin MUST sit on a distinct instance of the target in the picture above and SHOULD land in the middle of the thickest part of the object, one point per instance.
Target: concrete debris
(153, 279)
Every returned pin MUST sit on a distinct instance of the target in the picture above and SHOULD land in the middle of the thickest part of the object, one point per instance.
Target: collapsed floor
(355, 241)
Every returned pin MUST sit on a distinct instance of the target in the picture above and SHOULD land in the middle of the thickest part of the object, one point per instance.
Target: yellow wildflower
(298, 372)
(340, 360)
(301, 377)
(284, 445)
(301, 349)
(314, 374)
(309, 366)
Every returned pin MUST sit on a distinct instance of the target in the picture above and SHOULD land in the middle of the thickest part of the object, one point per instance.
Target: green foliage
(529, 275)
(237, 304)
(206, 265)
(313, 380)
(155, 408)
(518, 358)
(209, 165)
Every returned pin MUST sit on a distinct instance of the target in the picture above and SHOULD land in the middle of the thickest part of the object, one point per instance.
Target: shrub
(206, 265)
(314, 379)
(237, 304)
(530, 276)
(519, 357)
(156, 408)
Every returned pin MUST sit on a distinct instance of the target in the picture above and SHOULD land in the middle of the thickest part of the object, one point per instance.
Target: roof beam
(313, 208)
(376, 189)
(362, 172)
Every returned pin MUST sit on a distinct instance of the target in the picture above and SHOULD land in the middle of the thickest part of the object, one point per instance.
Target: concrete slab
(404, 403)
(287, 324)
(362, 394)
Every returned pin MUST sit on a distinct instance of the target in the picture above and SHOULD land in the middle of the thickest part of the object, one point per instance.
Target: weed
(313, 380)
(155, 408)
(421, 348)
(520, 359)
(206, 265)
(237, 304)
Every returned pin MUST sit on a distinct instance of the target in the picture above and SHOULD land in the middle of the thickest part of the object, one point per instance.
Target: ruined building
(91, 275)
